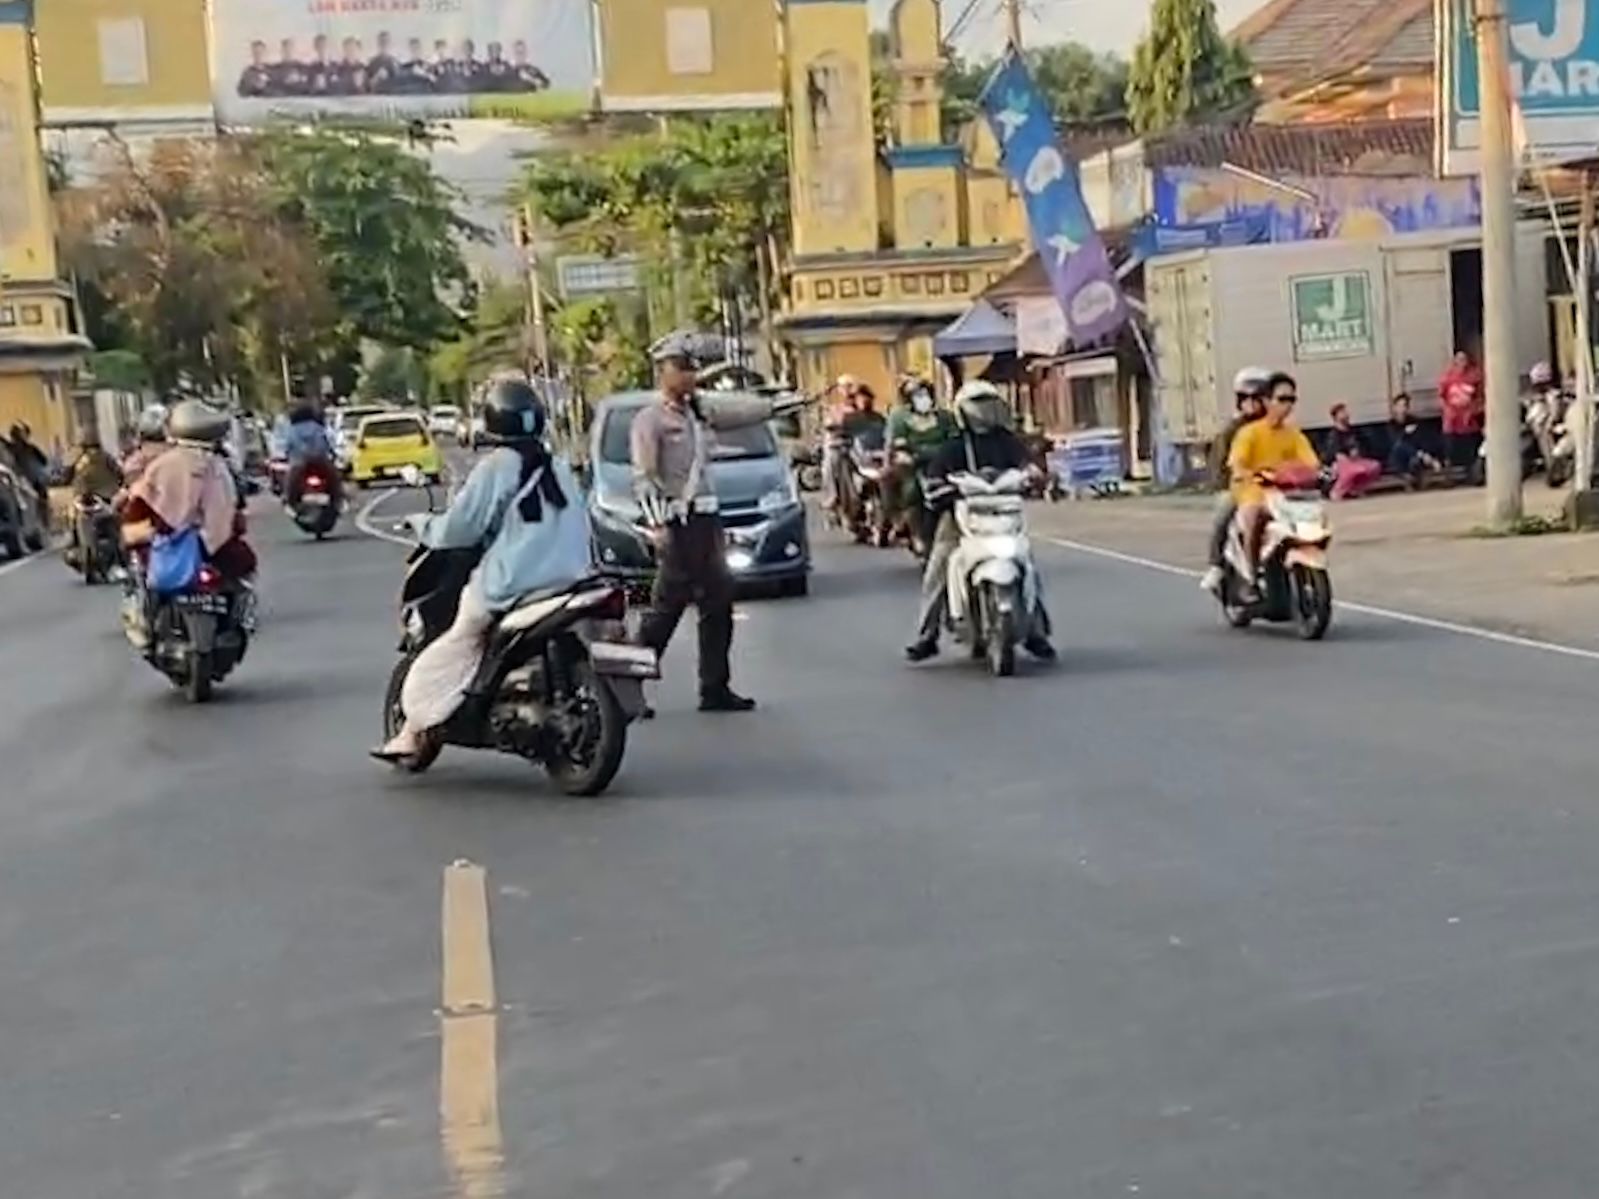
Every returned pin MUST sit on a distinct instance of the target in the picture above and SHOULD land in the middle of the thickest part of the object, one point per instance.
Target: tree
(1082, 85)
(394, 374)
(1185, 71)
(387, 235)
(705, 205)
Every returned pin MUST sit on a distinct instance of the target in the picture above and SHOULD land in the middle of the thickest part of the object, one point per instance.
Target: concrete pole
(1581, 416)
(1499, 268)
(1013, 20)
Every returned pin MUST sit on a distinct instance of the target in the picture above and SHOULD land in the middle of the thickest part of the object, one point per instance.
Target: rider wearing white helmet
(1250, 387)
(986, 442)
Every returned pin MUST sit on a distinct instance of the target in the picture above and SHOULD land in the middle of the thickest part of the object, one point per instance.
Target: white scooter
(993, 584)
(1293, 584)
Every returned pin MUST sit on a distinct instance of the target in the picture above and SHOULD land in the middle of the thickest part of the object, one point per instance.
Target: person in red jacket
(1460, 391)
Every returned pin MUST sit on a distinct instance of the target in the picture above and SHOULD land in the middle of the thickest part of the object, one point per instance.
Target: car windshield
(752, 441)
(351, 418)
(392, 426)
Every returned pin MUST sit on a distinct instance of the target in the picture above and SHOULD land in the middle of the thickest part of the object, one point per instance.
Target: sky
(1102, 24)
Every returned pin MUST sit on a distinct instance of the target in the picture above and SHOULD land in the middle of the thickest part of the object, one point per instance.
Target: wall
(639, 71)
(27, 247)
(834, 176)
(926, 207)
(123, 60)
(40, 402)
(1349, 206)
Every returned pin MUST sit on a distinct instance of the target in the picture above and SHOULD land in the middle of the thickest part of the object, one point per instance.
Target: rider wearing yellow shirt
(1260, 448)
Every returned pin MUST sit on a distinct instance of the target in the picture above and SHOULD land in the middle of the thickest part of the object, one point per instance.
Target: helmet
(1252, 381)
(909, 385)
(980, 408)
(512, 411)
(1541, 375)
(152, 424)
(198, 422)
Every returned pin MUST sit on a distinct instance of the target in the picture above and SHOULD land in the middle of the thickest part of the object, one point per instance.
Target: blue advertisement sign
(1554, 77)
(1063, 232)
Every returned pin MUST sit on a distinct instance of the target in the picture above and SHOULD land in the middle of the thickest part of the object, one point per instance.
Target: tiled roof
(1312, 38)
(1354, 147)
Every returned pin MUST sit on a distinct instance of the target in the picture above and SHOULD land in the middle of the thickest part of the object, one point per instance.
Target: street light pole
(1498, 169)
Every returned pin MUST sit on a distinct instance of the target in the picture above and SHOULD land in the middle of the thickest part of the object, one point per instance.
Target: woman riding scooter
(917, 430)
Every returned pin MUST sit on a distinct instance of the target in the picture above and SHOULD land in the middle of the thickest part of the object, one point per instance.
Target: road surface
(1195, 914)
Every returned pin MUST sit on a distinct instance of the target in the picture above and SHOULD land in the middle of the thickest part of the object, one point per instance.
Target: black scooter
(557, 686)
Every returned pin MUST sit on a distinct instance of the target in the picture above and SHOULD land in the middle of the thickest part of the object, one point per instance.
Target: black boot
(725, 700)
(1039, 646)
(922, 650)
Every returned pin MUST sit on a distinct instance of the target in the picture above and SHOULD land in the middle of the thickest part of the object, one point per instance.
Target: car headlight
(780, 497)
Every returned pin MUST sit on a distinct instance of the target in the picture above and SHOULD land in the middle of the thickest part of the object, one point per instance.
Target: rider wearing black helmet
(307, 443)
(524, 509)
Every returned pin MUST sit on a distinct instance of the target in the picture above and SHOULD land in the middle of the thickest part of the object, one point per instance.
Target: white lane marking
(1393, 614)
(363, 521)
(11, 567)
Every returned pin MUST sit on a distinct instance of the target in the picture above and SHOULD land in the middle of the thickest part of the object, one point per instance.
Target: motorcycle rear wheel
(197, 686)
(394, 718)
(591, 774)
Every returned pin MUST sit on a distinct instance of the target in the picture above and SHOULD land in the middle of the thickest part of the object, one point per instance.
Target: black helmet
(512, 411)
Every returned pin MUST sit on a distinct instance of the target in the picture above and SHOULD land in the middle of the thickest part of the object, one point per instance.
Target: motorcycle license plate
(316, 499)
(206, 603)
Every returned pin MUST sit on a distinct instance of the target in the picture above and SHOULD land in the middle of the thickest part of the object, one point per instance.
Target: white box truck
(1353, 321)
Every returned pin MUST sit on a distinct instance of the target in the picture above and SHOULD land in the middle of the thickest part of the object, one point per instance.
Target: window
(688, 41)
(8, 317)
(32, 314)
(385, 427)
(124, 59)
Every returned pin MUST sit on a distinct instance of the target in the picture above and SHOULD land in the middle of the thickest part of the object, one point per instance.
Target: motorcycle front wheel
(394, 718)
(591, 737)
(1313, 602)
(999, 633)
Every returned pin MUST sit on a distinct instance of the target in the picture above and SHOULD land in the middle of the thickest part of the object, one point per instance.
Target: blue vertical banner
(1046, 175)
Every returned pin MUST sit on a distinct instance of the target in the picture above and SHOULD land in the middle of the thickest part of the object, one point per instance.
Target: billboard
(1554, 77)
(400, 59)
(687, 55)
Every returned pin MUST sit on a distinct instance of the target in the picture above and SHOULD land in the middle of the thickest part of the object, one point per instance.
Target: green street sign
(1332, 316)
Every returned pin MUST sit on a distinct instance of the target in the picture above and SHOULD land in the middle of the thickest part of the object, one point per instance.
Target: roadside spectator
(1408, 456)
(1346, 454)
(1460, 392)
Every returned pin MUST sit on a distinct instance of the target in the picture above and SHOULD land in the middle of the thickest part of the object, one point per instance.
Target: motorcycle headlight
(780, 497)
(991, 525)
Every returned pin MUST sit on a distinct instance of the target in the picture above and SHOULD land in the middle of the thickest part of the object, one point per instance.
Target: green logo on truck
(1332, 316)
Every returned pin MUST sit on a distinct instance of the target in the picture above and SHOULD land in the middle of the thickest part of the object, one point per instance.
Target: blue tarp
(981, 329)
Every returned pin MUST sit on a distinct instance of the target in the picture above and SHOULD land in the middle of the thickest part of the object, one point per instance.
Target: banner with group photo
(401, 59)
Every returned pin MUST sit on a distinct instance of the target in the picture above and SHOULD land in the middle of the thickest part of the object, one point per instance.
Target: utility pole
(1499, 267)
(1580, 419)
(1013, 18)
(528, 236)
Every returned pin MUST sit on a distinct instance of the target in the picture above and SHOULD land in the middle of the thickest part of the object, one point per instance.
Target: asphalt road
(1194, 914)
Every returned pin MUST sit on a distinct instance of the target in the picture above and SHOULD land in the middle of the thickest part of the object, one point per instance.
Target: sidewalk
(1415, 553)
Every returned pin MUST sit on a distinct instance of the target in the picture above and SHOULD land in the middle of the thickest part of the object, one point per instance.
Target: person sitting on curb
(1408, 456)
(1347, 456)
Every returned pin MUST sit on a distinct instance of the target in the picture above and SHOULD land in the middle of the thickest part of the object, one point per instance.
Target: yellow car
(387, 443)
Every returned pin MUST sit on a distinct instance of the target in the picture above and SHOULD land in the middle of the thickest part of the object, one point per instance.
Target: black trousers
(693, 570)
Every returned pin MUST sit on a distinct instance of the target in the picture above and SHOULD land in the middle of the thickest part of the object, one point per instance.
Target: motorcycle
(317, 510)
(196, 637)
(558, 684)
(1293, 583)
(868, 467)
(992, 584)
(97, 554)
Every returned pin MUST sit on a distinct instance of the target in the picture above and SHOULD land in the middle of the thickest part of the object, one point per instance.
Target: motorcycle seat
(535, 605)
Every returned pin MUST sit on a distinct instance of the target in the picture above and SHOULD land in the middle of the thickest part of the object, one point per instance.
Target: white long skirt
(438, 679)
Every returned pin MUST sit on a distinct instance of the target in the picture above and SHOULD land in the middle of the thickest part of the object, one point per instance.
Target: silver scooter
(993, 583)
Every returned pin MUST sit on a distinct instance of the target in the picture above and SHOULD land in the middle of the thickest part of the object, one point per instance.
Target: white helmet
(152, 423)
(981, 408)
(1251, 381)
(1541, 374)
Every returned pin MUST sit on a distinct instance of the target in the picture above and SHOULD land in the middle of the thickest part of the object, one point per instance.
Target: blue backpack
(175, 560)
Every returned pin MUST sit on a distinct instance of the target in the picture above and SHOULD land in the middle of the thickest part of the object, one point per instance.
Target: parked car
(387, 442)
(767, 542)
(20, 529)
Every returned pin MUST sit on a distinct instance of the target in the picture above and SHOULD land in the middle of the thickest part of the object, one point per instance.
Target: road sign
(1554, 76)
(594, 275)
(1332, 316)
